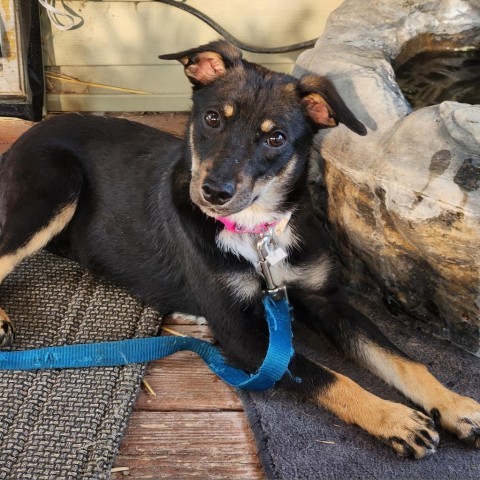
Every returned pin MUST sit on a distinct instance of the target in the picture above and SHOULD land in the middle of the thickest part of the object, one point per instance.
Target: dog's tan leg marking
(34, 243)
(37, 241)
(407, 431)
(455, 413)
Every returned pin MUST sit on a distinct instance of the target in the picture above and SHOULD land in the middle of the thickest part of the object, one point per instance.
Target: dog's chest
(245, 246)
(310, 275)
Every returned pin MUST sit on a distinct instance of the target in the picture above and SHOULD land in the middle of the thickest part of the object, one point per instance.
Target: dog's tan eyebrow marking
(228, 110)
(267, 126)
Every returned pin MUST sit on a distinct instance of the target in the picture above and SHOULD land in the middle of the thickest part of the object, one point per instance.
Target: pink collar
(234, 227)
(278, 225)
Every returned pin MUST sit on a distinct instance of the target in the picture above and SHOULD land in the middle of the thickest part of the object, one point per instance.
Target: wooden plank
(174, 123)
(189, 329)
(183, 382)
(214, 445)
(10, 130)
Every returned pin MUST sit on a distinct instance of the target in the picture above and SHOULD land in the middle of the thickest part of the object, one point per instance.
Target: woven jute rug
(66, 424)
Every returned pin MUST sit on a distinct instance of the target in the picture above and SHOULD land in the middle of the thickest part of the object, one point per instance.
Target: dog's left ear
(324, 106)
(207, 63)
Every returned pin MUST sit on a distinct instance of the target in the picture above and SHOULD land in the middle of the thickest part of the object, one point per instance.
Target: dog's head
(251, 131)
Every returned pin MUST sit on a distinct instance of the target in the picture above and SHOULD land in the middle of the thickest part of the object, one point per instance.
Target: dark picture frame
(30, 106)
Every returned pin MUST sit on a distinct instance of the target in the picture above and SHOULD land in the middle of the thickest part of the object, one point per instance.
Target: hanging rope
(61, 19)
(66, 21)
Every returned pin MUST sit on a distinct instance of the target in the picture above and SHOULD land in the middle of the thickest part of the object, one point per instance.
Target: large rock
(404, 201)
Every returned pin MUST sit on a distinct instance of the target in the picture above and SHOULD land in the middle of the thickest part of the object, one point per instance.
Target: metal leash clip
(266, 250)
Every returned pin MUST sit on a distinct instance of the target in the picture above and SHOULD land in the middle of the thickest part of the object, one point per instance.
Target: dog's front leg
(360, 339)
(453, 412)
(408, 432)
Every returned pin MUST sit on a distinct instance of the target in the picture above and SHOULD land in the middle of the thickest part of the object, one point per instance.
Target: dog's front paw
(7, 331)
(410, 433)
(460, 416)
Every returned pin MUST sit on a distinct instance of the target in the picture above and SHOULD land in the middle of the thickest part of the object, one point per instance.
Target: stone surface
(403, 202)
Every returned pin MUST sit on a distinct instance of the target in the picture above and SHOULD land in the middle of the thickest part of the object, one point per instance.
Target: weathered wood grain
(174, 123)
(10, 130)
(194, 427)
(214, 445)
(182, 382)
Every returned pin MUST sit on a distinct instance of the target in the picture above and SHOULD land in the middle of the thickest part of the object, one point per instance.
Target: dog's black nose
(218, 193)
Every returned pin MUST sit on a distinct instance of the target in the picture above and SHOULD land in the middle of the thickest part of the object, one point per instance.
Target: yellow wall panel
(117, 44)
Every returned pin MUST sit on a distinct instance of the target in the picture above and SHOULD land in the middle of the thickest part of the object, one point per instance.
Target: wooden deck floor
(193, 426)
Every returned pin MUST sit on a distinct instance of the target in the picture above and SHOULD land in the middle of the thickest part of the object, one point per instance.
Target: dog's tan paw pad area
(414, 436)
(472, 427)
(461, 417)
(7, 331)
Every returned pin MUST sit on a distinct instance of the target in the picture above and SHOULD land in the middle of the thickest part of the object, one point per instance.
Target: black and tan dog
(177, 223)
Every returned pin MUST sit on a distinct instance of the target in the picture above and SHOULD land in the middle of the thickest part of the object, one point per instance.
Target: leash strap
(142, 350)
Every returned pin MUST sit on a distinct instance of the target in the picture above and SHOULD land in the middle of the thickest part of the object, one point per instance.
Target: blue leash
(142, 350)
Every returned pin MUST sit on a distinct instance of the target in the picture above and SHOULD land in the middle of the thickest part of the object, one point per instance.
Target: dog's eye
(276, 139)
(212, 119)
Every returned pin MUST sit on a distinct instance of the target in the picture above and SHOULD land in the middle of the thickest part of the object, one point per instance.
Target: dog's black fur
(140, 206)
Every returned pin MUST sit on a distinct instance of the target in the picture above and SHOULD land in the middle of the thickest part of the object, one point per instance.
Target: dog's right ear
(207, 63)
(324, 106)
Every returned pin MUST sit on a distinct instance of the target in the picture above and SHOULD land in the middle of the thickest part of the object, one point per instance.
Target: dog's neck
(243, 230)
(234, 227)
(254, 220)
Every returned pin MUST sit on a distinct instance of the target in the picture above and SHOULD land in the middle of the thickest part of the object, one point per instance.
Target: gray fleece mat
(297, 440)
(66, 424)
